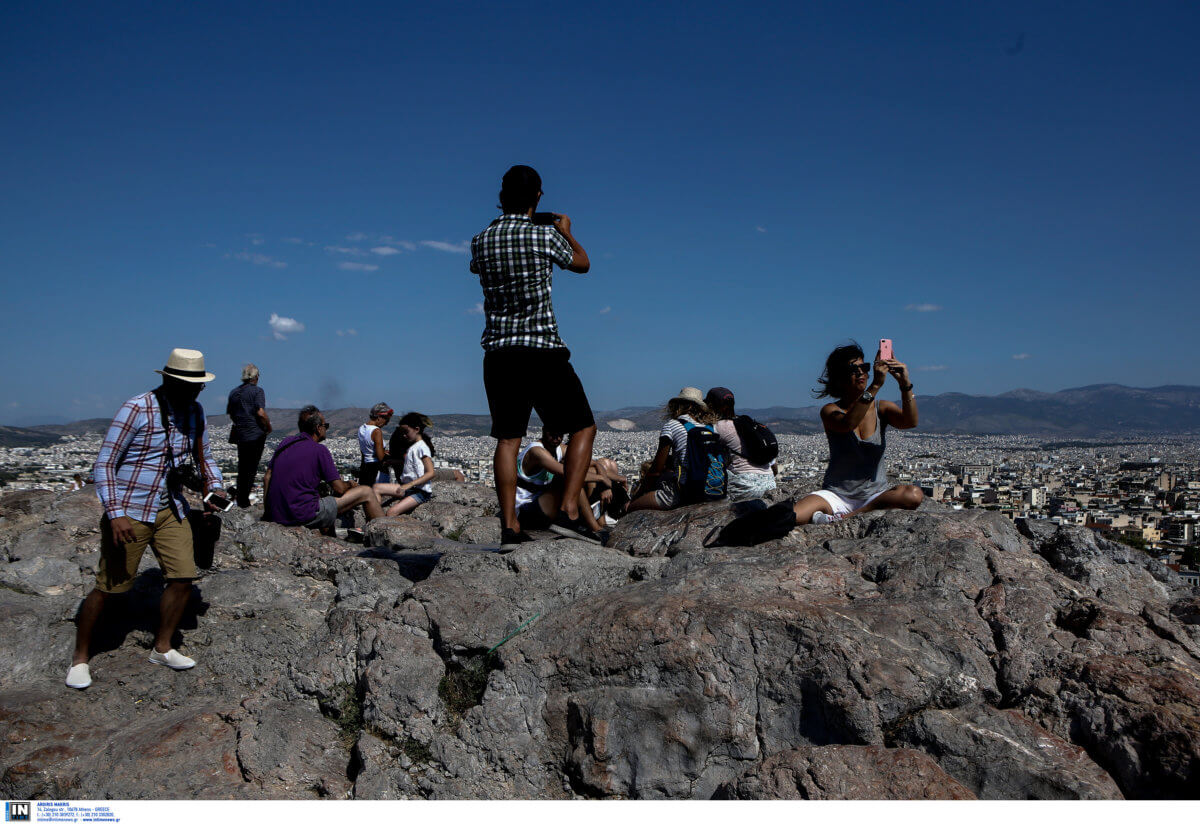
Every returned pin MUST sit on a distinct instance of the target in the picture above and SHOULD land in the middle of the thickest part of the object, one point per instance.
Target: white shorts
(844, 506)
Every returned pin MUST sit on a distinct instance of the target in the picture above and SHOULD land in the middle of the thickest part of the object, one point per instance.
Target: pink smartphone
(885, 349)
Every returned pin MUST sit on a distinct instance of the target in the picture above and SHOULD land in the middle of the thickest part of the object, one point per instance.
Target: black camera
(544, 218)
(185, 477)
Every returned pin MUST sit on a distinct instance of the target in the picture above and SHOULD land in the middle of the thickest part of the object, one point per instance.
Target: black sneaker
(511, 538)
(576, 528)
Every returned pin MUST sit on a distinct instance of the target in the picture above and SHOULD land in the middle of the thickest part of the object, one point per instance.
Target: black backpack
(705, 474)
(758, 443)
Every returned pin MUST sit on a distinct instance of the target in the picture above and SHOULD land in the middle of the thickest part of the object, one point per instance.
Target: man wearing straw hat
(156, 445)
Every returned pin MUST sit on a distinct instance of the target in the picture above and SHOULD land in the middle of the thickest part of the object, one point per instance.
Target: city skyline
(1005, 191)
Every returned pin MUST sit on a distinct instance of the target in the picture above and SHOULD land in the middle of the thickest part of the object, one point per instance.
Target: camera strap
(194, 443)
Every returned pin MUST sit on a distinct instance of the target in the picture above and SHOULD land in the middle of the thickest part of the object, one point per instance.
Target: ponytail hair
(420, 423)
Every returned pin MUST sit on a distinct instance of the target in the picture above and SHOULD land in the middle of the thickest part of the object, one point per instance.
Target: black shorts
(519, 379)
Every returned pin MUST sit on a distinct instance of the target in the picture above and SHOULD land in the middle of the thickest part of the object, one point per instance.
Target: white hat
(186, 365)
(691, 393)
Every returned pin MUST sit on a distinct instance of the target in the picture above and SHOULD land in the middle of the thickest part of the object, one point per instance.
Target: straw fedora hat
(691, 393)
(186, 365)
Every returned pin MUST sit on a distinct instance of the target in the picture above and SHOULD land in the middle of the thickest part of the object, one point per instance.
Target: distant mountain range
(1087, 411)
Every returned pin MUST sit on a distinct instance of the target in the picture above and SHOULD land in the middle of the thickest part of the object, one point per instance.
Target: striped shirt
(131, 469)
(515, 263)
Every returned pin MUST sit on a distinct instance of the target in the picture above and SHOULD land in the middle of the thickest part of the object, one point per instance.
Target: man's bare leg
(85, 623)
(170, 611)
(504, 470)
(365, 496)
(576, 463)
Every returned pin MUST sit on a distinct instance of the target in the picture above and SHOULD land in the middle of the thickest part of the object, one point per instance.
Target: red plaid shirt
(131, 469)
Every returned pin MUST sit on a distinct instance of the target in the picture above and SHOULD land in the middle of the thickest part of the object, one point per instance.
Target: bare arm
(377, 439)
(428, 476)
(901, 417)
(659, 464)
(341, 487)
(579, 258)
(841, 420)
(266, 482)
(263, 420)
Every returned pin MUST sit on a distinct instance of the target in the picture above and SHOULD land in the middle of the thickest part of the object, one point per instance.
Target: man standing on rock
(156, 445)
(526, 365)
(249, 426)
(291, 487)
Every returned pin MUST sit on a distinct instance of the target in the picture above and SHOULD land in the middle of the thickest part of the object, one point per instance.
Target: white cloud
(606, 310)
(407, 245)
(922, 307)
(355, 237)
(1022, 356)
(357, 267)
(260, 260)
(384, 251)
(477, 309)
(255, 239)
(938, 368)
(297, 241)
(345, 250)
(442, 246)
(342, 333)
(760, 229)
(282, 327)
(13, 404)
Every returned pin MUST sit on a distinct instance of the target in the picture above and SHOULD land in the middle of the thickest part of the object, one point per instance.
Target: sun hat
(186, 365)
(381, 409)
(690, 393)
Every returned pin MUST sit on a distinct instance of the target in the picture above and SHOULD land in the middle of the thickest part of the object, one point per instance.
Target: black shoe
(576, 528)
(510, 537)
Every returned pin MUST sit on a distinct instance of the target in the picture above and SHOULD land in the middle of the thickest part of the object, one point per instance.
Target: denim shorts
(421, 495)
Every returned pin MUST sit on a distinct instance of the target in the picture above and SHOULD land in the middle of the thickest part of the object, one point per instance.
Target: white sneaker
(822, 518)
(79, 677)
(171, 658)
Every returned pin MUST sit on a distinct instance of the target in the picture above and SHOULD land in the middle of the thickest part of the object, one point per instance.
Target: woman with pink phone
(856, 427)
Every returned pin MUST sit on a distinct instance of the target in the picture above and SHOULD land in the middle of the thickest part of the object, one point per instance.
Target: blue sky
(1007, 190)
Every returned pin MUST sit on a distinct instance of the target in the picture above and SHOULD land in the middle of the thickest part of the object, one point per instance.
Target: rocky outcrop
(927, 654)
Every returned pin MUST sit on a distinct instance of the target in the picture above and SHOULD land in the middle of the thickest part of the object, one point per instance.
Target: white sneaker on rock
(823, 518)
(171, 658)
(79, 677)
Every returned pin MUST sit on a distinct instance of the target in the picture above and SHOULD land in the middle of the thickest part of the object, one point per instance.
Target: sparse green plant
(417, 752)
(344, 706)
(462, 686)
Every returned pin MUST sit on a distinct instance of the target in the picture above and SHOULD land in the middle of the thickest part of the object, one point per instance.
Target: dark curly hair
(837, 374)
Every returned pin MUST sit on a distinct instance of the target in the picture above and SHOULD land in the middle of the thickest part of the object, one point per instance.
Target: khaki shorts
(170, 540)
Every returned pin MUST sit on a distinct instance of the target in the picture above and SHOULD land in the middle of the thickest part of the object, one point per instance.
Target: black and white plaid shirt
(515, 262)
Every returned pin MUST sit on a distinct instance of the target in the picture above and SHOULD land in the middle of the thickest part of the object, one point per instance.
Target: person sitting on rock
(856, 427)
(156, 444)
(747, 479)
(540, 487)
(291, 485)
(373, 465)
(660, 486)
(413, 455)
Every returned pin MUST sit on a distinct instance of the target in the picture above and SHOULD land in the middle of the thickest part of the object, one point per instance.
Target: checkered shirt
(515, 262)
(131, 469)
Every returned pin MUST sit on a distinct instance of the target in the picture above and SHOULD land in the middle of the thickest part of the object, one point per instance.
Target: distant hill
(18, 436)
(1086, 411)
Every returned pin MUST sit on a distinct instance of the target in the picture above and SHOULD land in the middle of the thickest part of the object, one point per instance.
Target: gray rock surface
(927, 654)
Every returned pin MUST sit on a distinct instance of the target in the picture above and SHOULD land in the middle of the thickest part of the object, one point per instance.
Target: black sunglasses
(864, 368)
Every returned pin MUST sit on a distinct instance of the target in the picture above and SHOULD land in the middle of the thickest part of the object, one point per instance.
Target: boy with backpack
(751, 445)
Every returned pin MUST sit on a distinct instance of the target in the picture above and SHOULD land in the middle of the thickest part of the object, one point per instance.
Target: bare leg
(365, 496)
(388, 490)
(85, 623)
(504, 470)
(905, 496)
(585, 512)
(403, 505)
(647, 501)
(576, 463)
(808, 506)
(170, 610)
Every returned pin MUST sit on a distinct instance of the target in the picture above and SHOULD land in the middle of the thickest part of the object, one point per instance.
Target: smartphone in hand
(218, 501)
(885, 349)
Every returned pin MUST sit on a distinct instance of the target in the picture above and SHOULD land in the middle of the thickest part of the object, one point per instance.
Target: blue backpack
(704, 476)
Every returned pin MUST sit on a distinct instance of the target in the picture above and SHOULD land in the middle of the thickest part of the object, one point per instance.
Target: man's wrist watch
(867, 396)
(906, 388)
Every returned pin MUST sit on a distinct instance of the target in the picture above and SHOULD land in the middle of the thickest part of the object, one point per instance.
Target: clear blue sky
(1008, 190)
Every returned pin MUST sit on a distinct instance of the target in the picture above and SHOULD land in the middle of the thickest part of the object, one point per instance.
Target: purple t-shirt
(297, 467)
